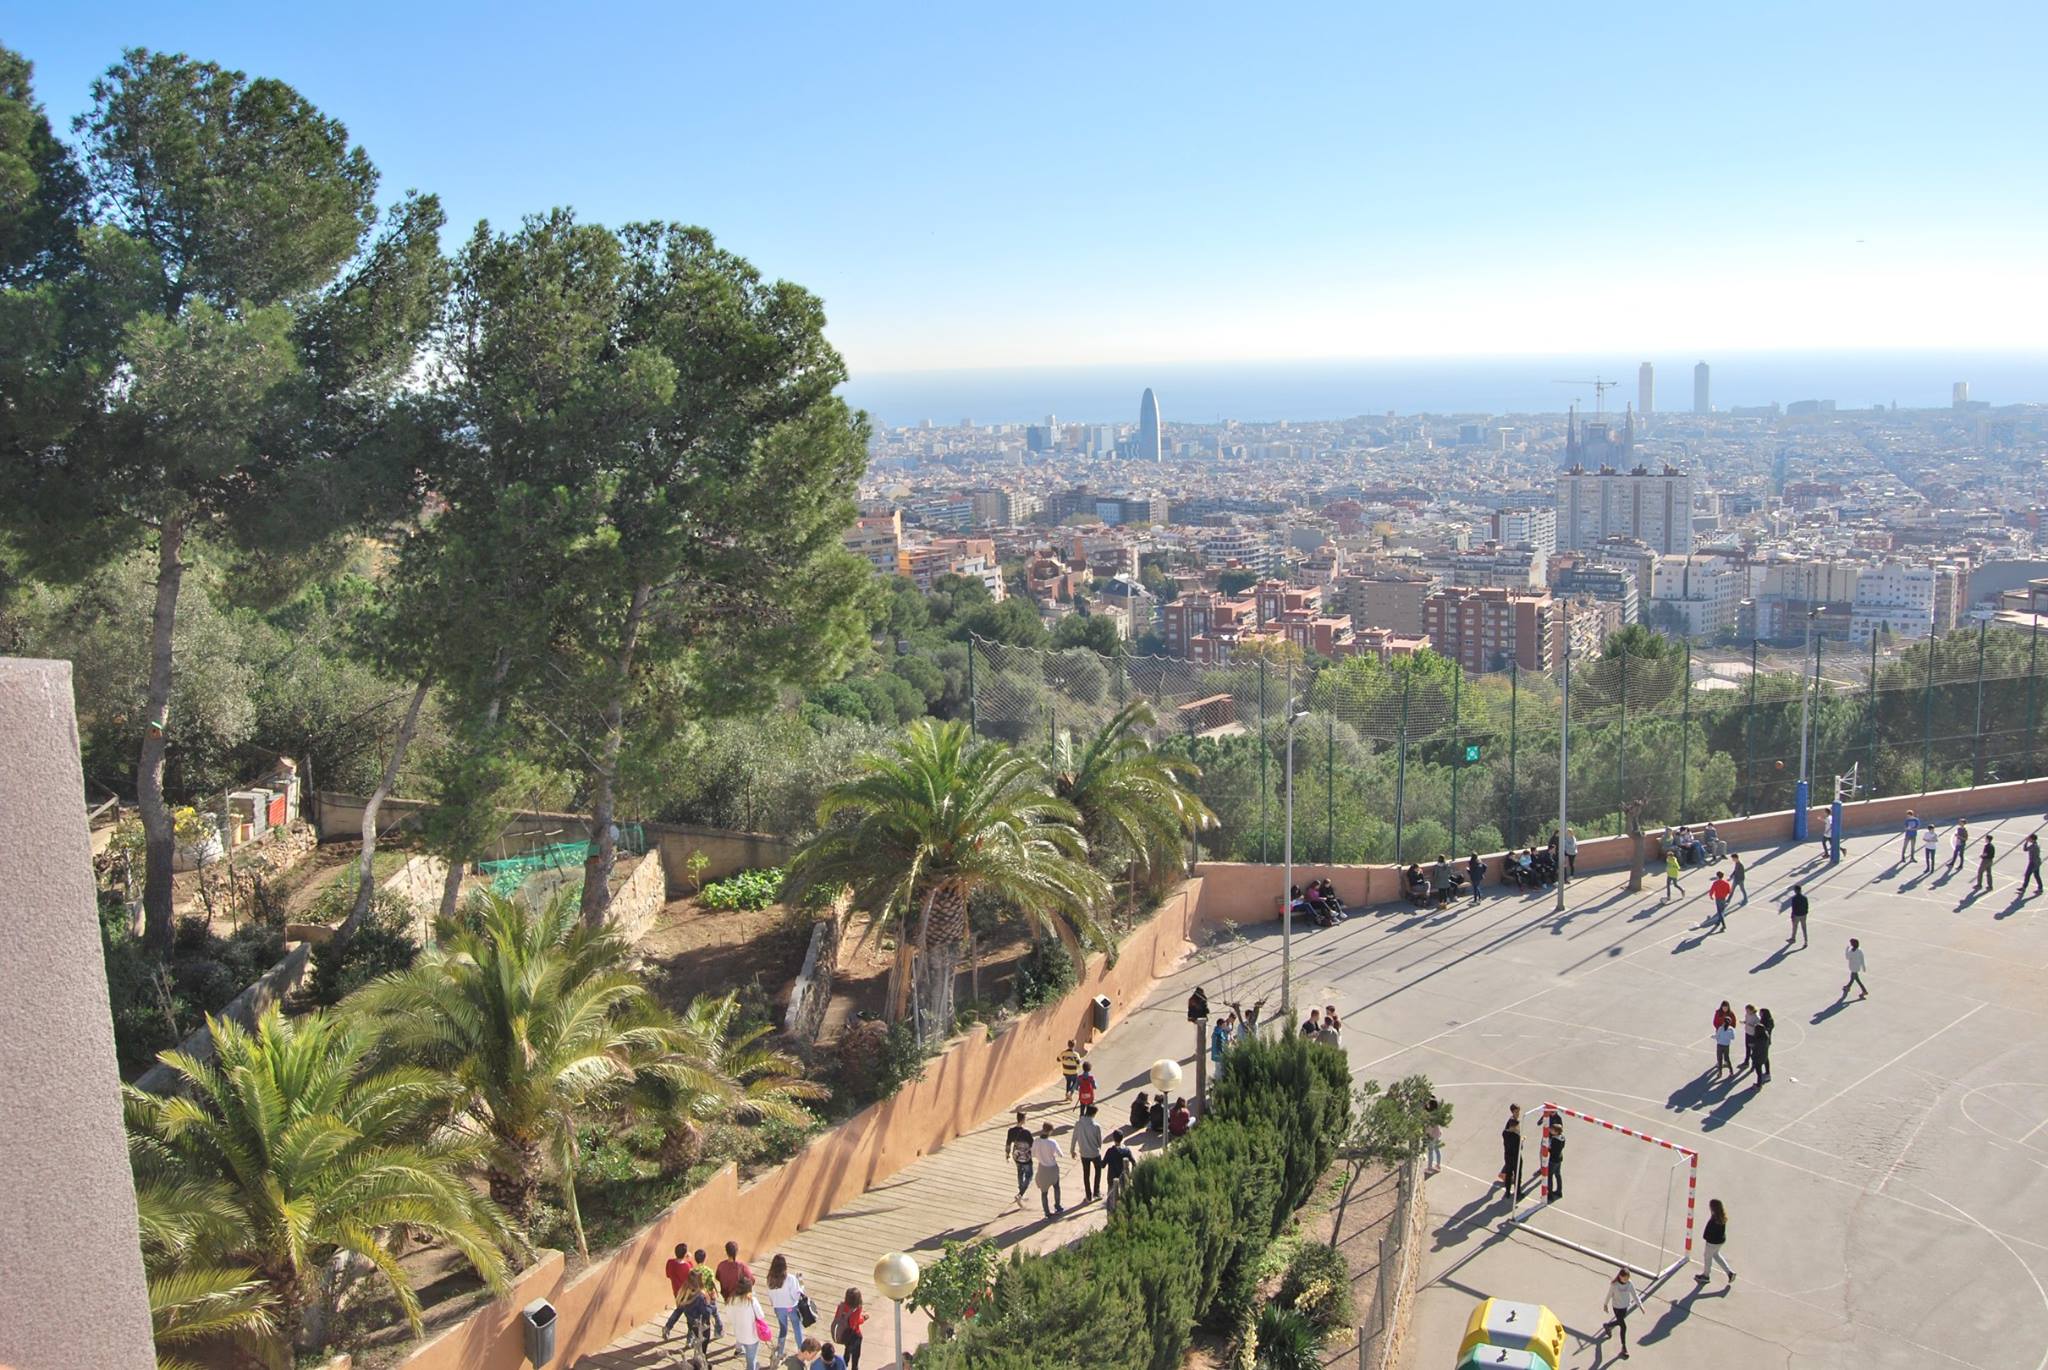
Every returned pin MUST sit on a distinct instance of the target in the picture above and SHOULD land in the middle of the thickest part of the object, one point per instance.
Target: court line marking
(1972, 1218)
(1878, 1070)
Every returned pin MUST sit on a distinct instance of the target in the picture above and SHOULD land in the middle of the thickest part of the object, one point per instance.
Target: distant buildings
(1655, 507)
(1646, 390)
(1534, 528)
(1959, 395)
(1696, 596)
(1702, 397)
(1148, 445)
(1596, 441)
(877, 539)
(1492, 628)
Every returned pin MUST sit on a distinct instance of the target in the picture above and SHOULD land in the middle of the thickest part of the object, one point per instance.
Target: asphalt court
(1887, 1196)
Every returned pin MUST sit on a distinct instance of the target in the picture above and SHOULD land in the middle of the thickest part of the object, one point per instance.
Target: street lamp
(1801, 791)
(1287, 880)
(1165, 1075)
(896, 1275)
(1564, 753)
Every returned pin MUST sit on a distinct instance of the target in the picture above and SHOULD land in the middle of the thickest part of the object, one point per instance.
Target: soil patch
(860, 988)
(688, 951)
(1351, 1211)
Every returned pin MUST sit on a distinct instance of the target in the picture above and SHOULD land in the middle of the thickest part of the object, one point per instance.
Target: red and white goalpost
(1686, 1156)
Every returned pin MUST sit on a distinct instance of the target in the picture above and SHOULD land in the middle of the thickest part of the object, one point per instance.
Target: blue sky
(972, 185)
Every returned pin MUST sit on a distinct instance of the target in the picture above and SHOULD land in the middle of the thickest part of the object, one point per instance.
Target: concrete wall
(340, 817)
(640, 896)
(974, 1078)
(1245, 892)
(273, 985)
(73, 1293)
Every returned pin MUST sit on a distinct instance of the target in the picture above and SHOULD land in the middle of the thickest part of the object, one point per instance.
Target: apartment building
(1697, 595)
(1893, 598)
(1655, 506)
(878, 540)
(1386, 598)
(1488, 628)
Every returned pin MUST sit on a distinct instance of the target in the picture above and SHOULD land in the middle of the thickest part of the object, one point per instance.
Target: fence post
(2033, 661)
(973, 703)
(1977, 752)
(1401, 768)
(1749, 739)
(1457, 753)
(1264, 747)
(1927, 708)
(1685, 734)
(1514, 690)
(1621, 753)
(1870, 716)
(1330, 782)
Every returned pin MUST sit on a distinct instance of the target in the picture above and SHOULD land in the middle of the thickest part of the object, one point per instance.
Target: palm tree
(1133, 800)
(930, 822)
(718, 1072)
(286, 1151)
(539, 1020)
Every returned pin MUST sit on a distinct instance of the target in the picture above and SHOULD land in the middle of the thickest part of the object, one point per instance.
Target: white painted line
(1873, 1074)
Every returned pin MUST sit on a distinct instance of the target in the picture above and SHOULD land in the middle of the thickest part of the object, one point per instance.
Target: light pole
(1801, 790)
(1287, 880)
(1166, 1076)
(896, 1275)
(1564, 755)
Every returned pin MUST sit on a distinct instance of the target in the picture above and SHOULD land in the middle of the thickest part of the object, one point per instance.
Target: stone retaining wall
(273, 985)
(812, 994)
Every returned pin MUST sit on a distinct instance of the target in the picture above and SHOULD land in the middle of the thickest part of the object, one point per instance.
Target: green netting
(508, 874)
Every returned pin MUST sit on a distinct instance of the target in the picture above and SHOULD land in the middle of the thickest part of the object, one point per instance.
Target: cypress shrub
(1303, 1089)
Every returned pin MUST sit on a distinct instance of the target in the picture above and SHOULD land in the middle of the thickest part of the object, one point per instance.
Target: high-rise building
(1646, 390)
(1149, 445)
(1702, 397)
(1487, 629)
(1959, 395)
(1653, 506)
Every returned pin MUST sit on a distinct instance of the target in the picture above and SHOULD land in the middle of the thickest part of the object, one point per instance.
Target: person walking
(1510, 1179)
(1087, 1139)
(1854, 956)
(1906, 843)
(1749, 1026)
(1720, 891)
(848, 1323)
(1671, 874)
(1433, 1136)
(1799, 904)
(1553, 1169)
(1045, 1158)
(1958, 847)
(681, 1272)
(1928, 842)
(1984, 858)
(1116, 1168)
(1070, 1068)
(1714, 1238)
(1623, 1298)
(1760, 1047)
(1084, 1087)
(730, 1272)
(1017, 1146)
(785, 1287)
(2031, 845)
(1569, 849)
(746, 1322)
(1738, 876)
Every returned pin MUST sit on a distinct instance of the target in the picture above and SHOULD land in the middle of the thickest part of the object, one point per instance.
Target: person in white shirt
(1088, 1146)
(1928, 841)
(1854, 956)
(1046, 1156)
(744, 1317)
(1623, 1298)
(785, 1287)
(1568, 847)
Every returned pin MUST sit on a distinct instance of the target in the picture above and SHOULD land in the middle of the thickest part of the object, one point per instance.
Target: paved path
(968, 1189)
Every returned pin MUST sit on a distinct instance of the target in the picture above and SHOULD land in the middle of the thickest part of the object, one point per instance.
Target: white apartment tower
(1646, 390)
(1654, 507)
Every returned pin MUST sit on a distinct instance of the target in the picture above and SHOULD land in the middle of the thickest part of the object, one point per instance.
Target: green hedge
(1190, 1225)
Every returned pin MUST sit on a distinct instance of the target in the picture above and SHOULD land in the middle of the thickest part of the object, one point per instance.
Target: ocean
(1205, 392)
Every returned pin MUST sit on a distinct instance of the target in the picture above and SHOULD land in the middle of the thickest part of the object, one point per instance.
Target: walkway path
(968, 1189)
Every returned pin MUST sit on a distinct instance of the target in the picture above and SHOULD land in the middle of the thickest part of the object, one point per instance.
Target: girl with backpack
(847, 1321)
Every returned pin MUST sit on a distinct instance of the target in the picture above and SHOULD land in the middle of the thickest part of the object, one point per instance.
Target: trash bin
(539, 1317)
(1101, 1013)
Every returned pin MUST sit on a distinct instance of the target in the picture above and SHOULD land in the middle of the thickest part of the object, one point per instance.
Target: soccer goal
(1620, 1191)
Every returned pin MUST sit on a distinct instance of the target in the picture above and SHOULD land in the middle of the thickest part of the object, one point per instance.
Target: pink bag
(762, 1329)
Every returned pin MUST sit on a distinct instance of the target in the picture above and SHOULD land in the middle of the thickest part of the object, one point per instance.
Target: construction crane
(1600, 389)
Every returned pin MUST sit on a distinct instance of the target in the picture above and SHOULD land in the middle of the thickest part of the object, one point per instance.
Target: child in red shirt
(1084, 1088)
(847, 1321)
(679, 1270)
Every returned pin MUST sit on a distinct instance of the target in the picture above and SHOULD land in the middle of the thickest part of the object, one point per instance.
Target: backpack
(839, 1327)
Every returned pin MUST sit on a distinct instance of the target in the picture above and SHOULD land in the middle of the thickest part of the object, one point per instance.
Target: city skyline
(1804, 204)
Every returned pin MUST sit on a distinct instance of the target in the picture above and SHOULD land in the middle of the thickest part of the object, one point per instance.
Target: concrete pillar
(74, 1292)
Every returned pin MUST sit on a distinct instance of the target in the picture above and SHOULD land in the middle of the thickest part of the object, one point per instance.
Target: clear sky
(974, 185)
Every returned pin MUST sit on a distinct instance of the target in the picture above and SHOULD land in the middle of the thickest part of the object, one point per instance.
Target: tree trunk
(604, 845)
(451, 888)
(158, 838)
(899, 978)
(1639, 840)
(366, 878)
(939, 961)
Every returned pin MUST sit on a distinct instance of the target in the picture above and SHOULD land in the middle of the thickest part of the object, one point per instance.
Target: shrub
(1044, 975)
(956, 1286)
(383, 944)
(1389, 1127)
(1285, 1341)
(1317, 1285)
(755, 889)
(876, 1059)
(1303, 1089)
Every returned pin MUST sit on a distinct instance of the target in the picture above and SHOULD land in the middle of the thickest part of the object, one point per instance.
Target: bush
(876, 1059)
(1303, 1089)
(1285, 1341)
(1317, 1286)
(755, 889)
(383, 944)
(158, 1003)
(1045, 975)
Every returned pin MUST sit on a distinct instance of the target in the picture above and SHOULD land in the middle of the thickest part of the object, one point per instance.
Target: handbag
(805, 1313)
(761, 1328)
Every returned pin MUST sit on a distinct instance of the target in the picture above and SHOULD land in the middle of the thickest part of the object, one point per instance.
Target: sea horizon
(1322, 390)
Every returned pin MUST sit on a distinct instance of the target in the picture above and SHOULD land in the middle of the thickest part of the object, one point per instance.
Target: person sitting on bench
(1318, 908)
(1328, 893)
(1417, 885)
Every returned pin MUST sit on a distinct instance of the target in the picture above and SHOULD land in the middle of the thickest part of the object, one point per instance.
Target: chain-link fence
(1412, 758)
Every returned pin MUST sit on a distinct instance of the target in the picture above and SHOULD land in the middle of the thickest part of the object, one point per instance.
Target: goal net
(1627, 1197)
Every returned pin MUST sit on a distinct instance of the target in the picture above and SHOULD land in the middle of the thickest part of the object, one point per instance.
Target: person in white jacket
(744, 1318)
(785, 1287)
(1622, 1299)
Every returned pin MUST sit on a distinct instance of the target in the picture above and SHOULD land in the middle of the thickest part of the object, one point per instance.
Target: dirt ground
(689, 951)
(1352, 1214)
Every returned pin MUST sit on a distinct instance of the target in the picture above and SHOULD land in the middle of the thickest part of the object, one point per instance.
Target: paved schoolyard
(1887, 1197)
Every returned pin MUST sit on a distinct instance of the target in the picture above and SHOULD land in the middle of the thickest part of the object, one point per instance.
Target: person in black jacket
(1510, 1178)
(1553, 1177)
(1760, 1047)
(1713, 1239)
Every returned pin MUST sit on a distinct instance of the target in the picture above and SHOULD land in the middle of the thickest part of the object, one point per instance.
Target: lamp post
(1166, 1075)
(896, 1275)
(1287, 880)
(1801, 790)
(1564, 753)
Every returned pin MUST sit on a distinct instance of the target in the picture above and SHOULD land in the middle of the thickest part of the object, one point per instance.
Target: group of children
(713, 1301)
(1757, 1025)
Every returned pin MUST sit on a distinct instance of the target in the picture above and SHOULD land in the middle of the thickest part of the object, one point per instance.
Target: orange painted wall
(973, 1079)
